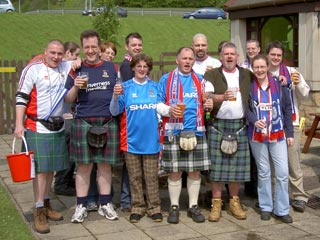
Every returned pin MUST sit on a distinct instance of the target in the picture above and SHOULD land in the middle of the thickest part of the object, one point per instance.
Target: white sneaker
(108, 212)
(79, 214)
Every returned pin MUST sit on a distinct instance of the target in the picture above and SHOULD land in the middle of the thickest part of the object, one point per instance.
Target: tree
(107, 22)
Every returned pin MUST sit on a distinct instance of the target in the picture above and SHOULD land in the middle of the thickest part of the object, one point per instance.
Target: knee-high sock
(193, 187)
(174, 188)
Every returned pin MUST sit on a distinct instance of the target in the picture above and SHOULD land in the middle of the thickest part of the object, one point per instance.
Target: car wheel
(191, 17)
(9, 11)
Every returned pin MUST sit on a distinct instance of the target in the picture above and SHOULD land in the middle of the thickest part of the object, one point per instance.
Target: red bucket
(21, 164)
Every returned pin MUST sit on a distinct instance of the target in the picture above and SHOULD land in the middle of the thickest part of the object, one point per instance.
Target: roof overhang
(256, 8)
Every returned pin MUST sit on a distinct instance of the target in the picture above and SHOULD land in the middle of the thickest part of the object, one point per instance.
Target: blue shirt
(139, 121)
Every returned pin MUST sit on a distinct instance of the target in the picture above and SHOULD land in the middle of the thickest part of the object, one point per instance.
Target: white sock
(174, 188)
(193, 187)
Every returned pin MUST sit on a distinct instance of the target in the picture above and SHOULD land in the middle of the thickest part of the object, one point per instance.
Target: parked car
(6, 6)
(121, 12)
(206, 13)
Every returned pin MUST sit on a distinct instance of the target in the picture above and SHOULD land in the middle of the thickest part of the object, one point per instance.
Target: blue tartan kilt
(50, 150)
(229, 168)
(81, 152)
(174, 159)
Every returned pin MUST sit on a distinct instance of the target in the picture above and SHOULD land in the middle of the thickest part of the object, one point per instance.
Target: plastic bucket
(21, 164)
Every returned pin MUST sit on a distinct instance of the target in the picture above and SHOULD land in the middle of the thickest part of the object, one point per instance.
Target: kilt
(229, 168)
(174, 159)
(50, 150)
(81, 152)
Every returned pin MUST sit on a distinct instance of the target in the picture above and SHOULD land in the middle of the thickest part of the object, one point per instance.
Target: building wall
(309, 57)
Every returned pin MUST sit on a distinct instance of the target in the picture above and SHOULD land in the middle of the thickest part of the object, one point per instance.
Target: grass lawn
(11, 225)
(24, 35)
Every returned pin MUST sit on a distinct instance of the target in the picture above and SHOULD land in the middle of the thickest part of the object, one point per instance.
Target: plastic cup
(182, 107)
(234, 93)
(85, 78)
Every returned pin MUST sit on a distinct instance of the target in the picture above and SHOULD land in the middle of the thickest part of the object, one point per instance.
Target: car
(206, 13)
(121, 12)
(6, 6)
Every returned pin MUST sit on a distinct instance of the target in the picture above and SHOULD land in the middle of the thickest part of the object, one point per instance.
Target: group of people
(251, 112)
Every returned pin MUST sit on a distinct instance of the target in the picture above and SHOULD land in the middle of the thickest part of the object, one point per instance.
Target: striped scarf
(271, 113)
(284, 72)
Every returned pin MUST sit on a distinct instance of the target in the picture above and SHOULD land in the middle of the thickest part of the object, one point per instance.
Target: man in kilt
(94, 133)
(229, 118)
(183, 85)
(41, 83)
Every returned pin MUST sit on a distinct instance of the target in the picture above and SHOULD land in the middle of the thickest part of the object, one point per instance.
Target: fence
(10, 72)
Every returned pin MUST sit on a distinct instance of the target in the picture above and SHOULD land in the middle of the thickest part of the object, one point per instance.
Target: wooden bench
(312, 132)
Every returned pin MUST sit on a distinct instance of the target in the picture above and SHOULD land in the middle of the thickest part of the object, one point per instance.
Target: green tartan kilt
(81, 152)
(174, 159)
(50, 150)
(229, 168)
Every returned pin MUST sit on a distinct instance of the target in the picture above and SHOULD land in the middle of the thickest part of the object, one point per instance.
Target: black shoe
(265, 216)
(173, 215)
(299, 205)
(195, 214)
(285, 218)
(157, 217)
(65, 191)
(134, 217)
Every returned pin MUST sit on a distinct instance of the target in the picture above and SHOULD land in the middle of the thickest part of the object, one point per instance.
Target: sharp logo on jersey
(190, 95)
(151, 93)
(105, 74)
(142, 106)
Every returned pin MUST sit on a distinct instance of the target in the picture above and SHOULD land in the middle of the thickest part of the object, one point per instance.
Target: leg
(125, 199)
(279, 156)
(215, 213)
(174, 187)
(235, 208)
(93, 192)
(134, 166)
(83, 179)
(193, 186)
(150, 170)
(300, 197)
(104, 179)
(261, 154)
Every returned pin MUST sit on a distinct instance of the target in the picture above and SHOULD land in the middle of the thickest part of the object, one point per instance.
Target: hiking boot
(215, 212)
(173, 215)
(235, 208)
(108, 211)
(299, 205)
(40, 220)
(52, 214)
(80, 214)
(196, 215)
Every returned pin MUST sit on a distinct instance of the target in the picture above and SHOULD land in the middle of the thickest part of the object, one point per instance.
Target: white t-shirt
(201, 66)
(232, 109)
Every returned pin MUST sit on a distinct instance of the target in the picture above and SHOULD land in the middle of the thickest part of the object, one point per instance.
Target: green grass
(23, 35)
(11, 225)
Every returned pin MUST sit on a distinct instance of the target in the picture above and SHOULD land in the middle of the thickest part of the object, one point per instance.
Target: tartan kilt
(81, 152)
(174, 159)
(229, 168)
(50, 150)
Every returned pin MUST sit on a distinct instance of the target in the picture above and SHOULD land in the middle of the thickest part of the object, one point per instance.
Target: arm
(302, 88)
(19, 127)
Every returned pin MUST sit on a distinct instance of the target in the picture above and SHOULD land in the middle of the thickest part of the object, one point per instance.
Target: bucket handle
(24, 142)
